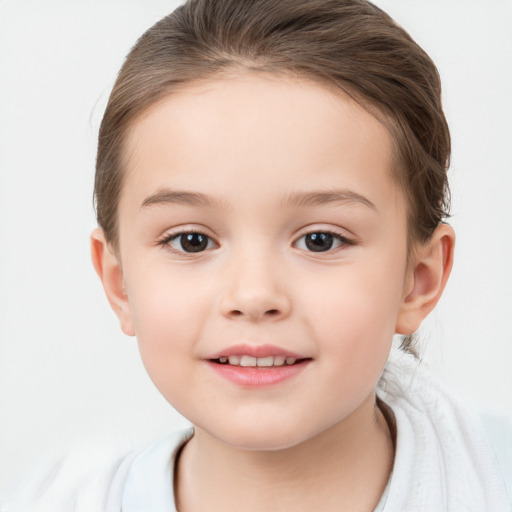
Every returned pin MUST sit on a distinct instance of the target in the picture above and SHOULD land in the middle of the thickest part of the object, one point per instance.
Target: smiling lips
(261, 362)
(255, 366)
(261, 356)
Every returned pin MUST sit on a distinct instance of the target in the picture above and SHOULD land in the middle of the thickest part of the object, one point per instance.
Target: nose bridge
(253, 285)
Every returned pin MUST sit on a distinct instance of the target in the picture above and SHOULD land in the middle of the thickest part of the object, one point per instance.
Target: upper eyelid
(322, 230)
(342, 233)
(175, 232)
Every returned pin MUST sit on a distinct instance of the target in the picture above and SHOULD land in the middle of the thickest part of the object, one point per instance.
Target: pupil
(319, 242)
(194, 242)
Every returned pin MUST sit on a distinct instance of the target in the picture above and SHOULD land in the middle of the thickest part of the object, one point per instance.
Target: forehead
(268, 133)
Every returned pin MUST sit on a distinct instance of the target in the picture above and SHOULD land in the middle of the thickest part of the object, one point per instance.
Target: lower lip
(251, 376)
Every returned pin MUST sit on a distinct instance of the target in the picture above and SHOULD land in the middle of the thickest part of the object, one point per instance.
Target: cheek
(168, 314)
(363, 297)
(354, 315)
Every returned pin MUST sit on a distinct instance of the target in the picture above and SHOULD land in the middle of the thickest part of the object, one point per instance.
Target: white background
(66, 371)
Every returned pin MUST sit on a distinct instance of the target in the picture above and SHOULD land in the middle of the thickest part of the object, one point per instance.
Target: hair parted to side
(348, 45)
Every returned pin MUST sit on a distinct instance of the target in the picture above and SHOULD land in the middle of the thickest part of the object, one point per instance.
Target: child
(271, 190)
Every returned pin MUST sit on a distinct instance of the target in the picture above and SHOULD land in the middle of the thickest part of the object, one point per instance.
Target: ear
(108, 267)
(427, 274)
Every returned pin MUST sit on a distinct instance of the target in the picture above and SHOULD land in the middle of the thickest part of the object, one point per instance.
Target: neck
(344, 468)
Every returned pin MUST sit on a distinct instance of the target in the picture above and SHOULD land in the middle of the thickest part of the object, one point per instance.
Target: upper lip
(254, 351)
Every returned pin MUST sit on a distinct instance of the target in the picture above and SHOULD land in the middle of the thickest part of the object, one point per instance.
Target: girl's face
(259, 222)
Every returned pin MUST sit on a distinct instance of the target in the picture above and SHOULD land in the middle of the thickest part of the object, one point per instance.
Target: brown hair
(347, 44)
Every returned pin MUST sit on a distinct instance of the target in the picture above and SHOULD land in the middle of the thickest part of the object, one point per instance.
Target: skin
(250, 144)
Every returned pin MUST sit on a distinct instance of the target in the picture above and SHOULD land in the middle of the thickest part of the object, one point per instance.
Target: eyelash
(341, 239)
(167, 239)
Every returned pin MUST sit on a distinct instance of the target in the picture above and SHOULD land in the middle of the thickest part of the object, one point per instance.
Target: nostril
(256, 314)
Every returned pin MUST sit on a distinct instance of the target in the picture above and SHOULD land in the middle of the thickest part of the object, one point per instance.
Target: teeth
(265, 361)
(249, 361)
(279, 360)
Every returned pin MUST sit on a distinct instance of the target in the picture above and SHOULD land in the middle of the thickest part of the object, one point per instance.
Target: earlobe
(426, 278)
(108, 267)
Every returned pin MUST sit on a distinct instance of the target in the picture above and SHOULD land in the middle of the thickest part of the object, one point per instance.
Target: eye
(321, 241)
(189, 242)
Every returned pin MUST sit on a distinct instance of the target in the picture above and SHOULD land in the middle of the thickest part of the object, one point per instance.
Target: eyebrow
(168, 196)
(299, 199)
(320, 197)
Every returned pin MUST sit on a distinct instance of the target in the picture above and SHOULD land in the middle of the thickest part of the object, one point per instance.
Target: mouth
(247, 361)
(257, 366)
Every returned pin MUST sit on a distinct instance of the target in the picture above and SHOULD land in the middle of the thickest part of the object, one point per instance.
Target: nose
(254, 289)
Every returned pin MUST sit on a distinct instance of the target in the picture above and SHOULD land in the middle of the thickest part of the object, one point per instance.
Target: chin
(262, 442)
(263, 436)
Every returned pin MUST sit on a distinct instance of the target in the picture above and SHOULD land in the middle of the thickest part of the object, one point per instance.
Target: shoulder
(89, 478)
(83, 480)
(446, 458)
(498, 429)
